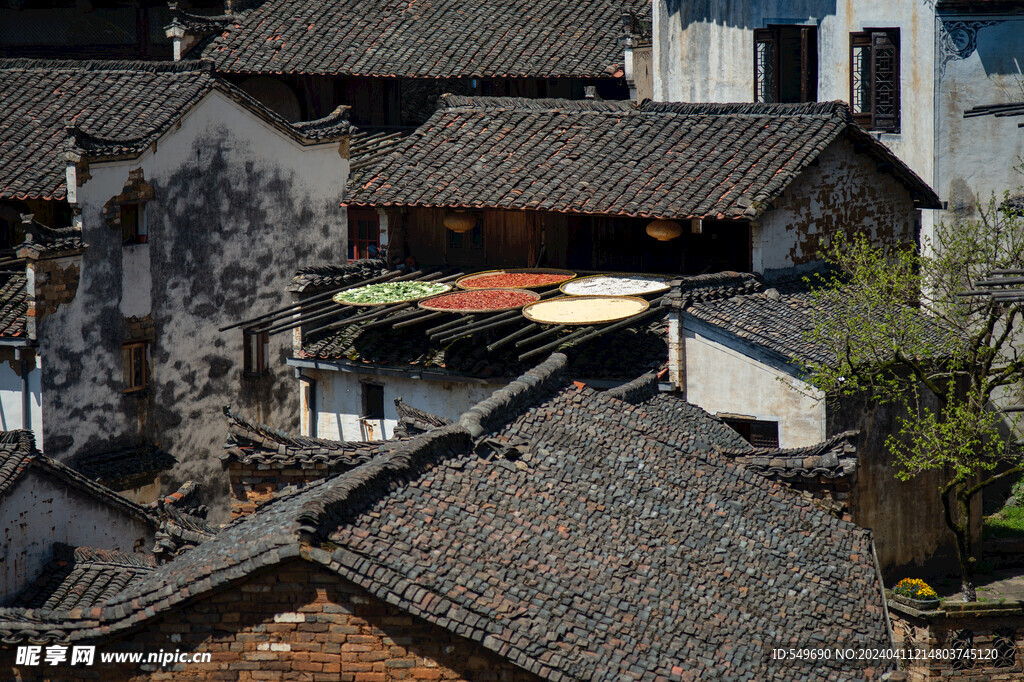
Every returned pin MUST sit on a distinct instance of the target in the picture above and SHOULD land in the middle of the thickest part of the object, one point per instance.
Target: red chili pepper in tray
(495, 299)
(514, 279)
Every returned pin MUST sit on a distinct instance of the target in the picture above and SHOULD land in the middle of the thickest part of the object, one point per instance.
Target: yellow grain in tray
(584, 309)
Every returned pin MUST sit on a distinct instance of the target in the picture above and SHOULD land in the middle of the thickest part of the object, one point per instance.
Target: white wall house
(186, 207)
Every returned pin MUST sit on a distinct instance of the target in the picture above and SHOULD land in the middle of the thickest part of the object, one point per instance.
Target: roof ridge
(183, 66)
(452, 101)
(507, 403)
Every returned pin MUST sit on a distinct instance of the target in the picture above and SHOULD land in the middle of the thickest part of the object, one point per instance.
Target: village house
(153, 200)
(625, 561)
(560, 203)
(910, 71)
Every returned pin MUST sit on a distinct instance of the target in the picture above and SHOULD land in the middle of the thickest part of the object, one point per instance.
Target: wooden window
(760, 434)
(133, 365)
(256, 348)
(786, 64)
(373, 401)
(133, 224)
(875, 79)
(363, 234)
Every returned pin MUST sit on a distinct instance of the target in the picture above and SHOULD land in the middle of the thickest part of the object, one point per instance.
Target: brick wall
(832, 494)
(56, 283)
(982, 627)
(296, 622)
(253, 485)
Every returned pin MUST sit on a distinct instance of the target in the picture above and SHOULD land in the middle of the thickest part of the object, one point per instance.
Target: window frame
(129, 358)
(771, 36)
(255, 353)
(136, 232)
(366, 388)
(359, 248)
(746, 426)
(873, 41)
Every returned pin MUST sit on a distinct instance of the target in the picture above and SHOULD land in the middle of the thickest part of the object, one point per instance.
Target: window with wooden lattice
(786, 64)
(759, 433)
(363, 234)
(875, 79)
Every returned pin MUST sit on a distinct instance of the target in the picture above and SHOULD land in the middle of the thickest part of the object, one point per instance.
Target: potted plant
(916, 593)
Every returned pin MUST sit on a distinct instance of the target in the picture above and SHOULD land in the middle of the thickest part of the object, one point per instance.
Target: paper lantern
(459, 221)
(664, 230)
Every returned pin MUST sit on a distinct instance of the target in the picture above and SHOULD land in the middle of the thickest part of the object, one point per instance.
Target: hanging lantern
(459, 221)
(664, 230)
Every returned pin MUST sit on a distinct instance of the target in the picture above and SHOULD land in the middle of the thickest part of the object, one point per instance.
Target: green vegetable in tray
(390, 292)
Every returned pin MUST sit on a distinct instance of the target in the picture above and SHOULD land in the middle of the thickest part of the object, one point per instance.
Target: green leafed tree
(902, 332)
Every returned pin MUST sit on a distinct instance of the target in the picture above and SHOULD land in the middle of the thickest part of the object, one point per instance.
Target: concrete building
(158, 201)
(910, 71)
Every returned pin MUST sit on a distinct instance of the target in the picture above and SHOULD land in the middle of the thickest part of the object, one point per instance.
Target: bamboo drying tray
(568, 286)
(580, 310)
(339, 298)
(425, 303)
(461, 281)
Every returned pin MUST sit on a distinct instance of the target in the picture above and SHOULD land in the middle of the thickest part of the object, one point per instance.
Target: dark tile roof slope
(310, 280)
(832, 458)
(618, 558)
(13, 304)
(252, 443)
(123, 465)
(104, 109)
(427, 38)
(661, 160)
(17, 452)
(83, 577)
(369, 147)
(586, 551)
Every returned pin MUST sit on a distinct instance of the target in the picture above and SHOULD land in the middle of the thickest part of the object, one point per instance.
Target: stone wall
(832, 494)
(296, 622)
(983, 627)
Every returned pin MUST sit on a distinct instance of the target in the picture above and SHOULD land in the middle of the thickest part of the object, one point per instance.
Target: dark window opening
(786, 64)
(133, 364)
(363, 234)
(760, 434)
(133, 224)
(373, 401)
(256, 349)
(875, 79)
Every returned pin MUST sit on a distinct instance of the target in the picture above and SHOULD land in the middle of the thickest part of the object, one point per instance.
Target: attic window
(133, 223)
(875, 79)
(759, 433)
(373, 401)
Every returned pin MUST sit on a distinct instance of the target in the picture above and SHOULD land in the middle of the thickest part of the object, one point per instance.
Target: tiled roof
(369, 147)
(409, 347)
(586, 549)
(18, 452)
(83, 577)
(102, 109)
(312, 279)
(661, 160)
(427, 38)
(252, 443)
(413, 421)
(123, 465)
(13, 304)
(833, 458)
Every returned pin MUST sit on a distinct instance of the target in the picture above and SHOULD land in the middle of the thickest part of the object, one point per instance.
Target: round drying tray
(616, 284)
(479, 300)
(491, 278)
(580, 310)
(388, 293)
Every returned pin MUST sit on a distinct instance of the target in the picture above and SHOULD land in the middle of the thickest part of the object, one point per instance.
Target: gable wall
(237, 207)
(40, 511)
(297, 621)
(844, 192)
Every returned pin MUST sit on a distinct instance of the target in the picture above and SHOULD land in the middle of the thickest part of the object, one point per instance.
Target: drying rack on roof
(318, 316)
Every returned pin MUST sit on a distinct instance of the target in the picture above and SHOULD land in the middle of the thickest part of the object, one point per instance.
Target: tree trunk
(961, 528)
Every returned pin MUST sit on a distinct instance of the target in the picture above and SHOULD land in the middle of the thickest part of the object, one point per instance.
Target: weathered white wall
(11, 405)
(39, 511)
(136, 281)
(704, 52)
(238, 206)
(339, 401)
(844, 192)
(978, 156)
(720, 378)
